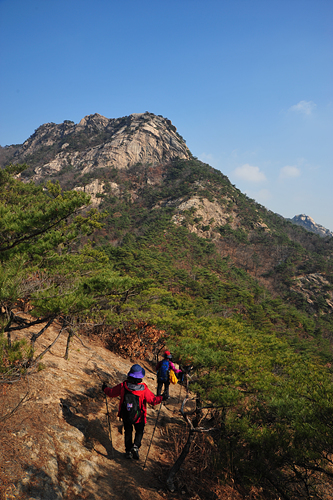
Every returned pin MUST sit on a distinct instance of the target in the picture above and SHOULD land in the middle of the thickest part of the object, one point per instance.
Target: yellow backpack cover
(172, 377)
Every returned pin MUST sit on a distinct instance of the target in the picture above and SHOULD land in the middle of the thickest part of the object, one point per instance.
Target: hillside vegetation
(177, 255)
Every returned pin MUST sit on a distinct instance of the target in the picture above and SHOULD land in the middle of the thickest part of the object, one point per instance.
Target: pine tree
(44, 266)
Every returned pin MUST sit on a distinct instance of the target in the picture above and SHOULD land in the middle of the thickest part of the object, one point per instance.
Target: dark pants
(160, 385)
(139, 430)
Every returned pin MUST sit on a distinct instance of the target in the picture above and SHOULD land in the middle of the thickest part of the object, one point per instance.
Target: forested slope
(174, 254)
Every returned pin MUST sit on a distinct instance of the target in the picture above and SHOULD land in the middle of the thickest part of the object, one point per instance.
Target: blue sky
(247, 83)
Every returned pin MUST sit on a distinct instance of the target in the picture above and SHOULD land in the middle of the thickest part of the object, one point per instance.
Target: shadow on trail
(79, 411)
(104, 376)
(118, 484)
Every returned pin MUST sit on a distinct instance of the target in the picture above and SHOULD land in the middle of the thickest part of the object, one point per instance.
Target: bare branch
(11, 376)
(48, 348)
(76, 335)
(35, 336)
(27, 325)
(8, 415)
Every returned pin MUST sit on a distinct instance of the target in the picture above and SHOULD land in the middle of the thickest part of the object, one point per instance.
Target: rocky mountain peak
(98, 142)
(310, 225)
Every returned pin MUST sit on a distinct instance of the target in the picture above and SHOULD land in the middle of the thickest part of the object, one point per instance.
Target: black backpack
(164, 370)
(130, 408)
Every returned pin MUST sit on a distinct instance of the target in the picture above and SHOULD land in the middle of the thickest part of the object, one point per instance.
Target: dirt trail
(56, 445)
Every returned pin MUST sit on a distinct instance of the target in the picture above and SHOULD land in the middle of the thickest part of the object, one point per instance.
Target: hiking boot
(129, 454)
(135, 452)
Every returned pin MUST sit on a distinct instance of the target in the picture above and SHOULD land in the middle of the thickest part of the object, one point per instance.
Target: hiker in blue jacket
(163, 369)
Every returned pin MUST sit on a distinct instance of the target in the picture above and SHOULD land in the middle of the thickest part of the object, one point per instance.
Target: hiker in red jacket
(163, 368)
(134, 396)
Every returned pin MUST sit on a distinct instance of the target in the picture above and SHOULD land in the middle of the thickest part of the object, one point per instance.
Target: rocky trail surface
(55, 444)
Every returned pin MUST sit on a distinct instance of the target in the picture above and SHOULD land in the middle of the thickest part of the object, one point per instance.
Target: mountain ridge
(97, 142)
(106, 150)
(140, 161)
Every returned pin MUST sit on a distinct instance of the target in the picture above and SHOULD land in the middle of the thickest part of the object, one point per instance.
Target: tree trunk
(198, 411)
(70, 335)
(9, 338)
(179, 462)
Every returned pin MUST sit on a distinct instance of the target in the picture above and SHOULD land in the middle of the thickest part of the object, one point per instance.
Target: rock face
(96, 143)
(312, 286)
(93, 189)
(310, 225)
(207, 216)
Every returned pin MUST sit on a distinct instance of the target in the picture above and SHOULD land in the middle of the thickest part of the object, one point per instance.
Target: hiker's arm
(172, 366)
(113, 392)
(158, 366)
(152, 399)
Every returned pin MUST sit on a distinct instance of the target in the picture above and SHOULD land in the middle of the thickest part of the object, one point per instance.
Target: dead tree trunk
(185, 451)
(177, 465)
(198, 411)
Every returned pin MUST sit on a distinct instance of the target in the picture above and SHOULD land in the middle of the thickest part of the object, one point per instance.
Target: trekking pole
(107, 411)
(180, 393)
(144, 465)
(109, 424)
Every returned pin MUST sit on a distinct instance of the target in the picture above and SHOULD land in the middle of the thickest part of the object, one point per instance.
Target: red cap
(167, 353)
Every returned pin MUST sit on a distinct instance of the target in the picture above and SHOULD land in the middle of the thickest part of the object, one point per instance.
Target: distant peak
(310, 225)
(304, 218)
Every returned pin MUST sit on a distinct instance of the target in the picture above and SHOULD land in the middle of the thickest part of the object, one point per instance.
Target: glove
(103, 386)
(164, 396)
